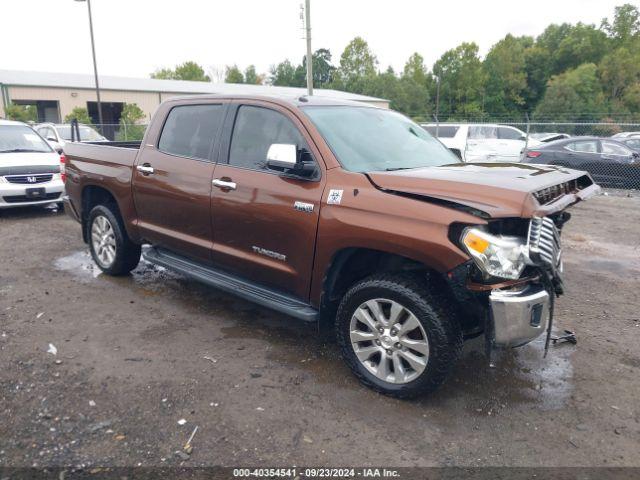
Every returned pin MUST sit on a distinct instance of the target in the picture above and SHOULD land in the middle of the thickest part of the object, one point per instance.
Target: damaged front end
(513, 277)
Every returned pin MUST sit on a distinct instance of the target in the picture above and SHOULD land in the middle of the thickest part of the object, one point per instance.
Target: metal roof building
(56, 94)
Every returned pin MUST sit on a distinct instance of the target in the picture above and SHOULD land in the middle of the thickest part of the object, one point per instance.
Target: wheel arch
(93, 195)
(352, 264)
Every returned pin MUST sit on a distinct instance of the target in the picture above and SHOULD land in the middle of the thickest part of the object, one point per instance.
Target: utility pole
(437, 105)
(307, 14)
(95, 63)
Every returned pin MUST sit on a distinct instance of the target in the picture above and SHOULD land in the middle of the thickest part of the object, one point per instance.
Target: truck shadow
(520, 376)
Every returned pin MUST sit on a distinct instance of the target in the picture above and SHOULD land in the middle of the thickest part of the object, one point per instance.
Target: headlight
(499, 256)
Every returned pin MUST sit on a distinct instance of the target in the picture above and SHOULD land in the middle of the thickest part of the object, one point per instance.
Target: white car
(626, 135)
(58, 134)
(482, 142)
(29, 168)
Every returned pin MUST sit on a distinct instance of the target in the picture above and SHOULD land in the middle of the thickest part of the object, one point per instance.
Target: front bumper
(519, 316)
(15, 195)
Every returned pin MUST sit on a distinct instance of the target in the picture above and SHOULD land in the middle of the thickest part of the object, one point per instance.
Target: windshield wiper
(22, 150)
(393, 169)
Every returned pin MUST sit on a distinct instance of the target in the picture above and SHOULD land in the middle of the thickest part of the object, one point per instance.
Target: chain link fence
(608, 150)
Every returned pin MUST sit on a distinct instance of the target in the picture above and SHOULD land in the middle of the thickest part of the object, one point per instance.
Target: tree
(323, 70)
(415, 70)
(186, 71)
(582, 44)
(130, 117)
(625, 25)
(21, 113)
(80, 114)
(233, 75)
(461, 81)
(250, 76)
(357, 62)
(283, 75)
(619, 70)
(575, 95)
(506, 77)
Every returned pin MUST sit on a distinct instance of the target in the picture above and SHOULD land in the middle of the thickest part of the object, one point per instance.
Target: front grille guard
(545, 248)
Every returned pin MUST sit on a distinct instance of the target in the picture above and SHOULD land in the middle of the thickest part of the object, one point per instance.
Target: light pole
(95, 63)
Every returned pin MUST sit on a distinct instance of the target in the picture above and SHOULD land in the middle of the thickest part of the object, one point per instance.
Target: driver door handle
(145, 169)
(224, 185)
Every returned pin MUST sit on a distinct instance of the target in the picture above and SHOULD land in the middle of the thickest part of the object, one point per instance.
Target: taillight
(63, 173)
(533, 154)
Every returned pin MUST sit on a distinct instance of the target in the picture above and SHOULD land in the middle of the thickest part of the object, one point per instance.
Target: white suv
(29, 168)
(481, 142)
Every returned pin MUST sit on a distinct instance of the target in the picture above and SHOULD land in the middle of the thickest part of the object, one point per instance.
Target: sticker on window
(334, 197)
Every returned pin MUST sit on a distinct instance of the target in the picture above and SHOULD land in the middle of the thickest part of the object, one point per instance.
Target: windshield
(87, 134)
(20, 138)
(367, 139)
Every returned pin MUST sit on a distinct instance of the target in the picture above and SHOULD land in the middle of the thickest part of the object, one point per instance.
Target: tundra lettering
(393, 242)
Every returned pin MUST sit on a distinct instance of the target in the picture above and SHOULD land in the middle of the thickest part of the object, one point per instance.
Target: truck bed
(119, 153)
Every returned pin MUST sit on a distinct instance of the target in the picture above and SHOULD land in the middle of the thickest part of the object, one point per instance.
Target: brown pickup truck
(338, 213)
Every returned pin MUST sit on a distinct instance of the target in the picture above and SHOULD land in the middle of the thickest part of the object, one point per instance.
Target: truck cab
(338, 213)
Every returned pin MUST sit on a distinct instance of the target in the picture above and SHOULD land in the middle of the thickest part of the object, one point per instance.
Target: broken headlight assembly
(496, 255)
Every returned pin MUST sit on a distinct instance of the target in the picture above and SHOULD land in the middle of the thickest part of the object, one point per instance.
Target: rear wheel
(397, 335)
(111, 248)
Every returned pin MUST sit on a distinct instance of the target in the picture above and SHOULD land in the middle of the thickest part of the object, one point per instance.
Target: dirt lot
(135, 355)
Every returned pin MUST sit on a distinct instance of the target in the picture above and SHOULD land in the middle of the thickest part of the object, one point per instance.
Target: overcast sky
(135, 37)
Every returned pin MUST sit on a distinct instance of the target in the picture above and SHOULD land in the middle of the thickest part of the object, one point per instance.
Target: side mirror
(291, 161)
(282, 156)
(523, 138)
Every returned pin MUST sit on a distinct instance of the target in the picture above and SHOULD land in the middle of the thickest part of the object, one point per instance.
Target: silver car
(58, 134)
(30, 169)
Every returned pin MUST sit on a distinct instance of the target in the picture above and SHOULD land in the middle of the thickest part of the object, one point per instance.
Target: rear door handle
(224, 185)
(145, 169)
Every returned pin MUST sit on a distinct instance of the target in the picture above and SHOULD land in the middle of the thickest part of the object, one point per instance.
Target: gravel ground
(142, 360)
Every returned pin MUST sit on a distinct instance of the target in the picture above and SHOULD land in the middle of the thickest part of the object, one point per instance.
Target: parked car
(481, 142)
(339, 213)
(58, 135)
(611, 163)
(621, 135)
(29, 167)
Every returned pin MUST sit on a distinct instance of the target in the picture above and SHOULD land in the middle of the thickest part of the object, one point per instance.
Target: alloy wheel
(103, 241)
(389, 341)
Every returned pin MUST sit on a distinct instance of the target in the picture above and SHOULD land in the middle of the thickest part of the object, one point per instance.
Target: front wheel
(397, 335)
(111, 248)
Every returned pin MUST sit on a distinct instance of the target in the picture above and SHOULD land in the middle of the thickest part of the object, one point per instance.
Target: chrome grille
(544, 242)
(29, 179)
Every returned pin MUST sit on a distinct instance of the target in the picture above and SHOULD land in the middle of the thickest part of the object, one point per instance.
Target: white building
(56, 94)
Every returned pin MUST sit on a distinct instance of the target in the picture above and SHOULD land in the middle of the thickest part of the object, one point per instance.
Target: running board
(232, 284)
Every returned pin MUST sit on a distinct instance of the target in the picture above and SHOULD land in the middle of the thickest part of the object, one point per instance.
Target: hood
(494, 189)
(29, 162)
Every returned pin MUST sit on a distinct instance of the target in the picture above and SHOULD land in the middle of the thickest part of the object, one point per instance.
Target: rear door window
(483, 132)
(190, 130)
(610, 148)
(508, 133)
(255, 130)
(587, 146)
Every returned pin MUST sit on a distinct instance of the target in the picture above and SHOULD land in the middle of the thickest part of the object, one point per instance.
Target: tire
(425, 318)
(111, 249)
